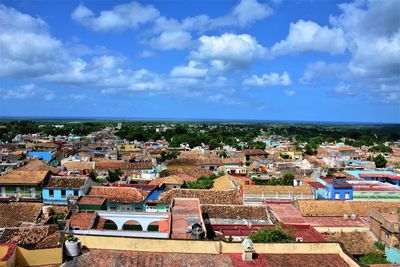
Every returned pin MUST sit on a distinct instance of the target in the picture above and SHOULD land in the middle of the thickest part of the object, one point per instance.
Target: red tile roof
(316, 185)
(117, 194)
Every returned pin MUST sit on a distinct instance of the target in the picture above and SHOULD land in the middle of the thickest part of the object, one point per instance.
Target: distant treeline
(215, 134)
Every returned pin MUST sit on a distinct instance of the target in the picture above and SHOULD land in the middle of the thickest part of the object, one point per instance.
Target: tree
(373, 258)
(213, 144)
(308, 149)
(271, 235)
(380, 161)
(93, 175)
(114, 176)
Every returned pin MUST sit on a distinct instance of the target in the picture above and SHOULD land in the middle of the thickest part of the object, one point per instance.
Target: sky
(247, 60)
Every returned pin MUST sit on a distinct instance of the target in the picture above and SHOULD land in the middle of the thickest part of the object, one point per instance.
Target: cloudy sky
(265, 60)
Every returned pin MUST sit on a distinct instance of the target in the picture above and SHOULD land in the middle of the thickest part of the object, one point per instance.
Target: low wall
(341, 229)
(35, 257)
(209, 247)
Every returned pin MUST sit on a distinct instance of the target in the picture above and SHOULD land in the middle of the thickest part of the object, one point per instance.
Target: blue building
(381, 176)
(43, 155)
(59, 188)
(337, 188)
(319, 190)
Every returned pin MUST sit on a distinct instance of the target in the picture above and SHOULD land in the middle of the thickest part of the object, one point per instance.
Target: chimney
(248, 250)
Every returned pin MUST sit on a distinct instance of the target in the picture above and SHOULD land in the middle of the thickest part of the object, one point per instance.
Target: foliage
(380, 161)
(164, 156)
(379, 245)
(381, 148)
(114, 176)
(286, 179)
(271, 235)
(373, 258)
(57, 217)
(93, 175)
(230, 238)
(257, 145)
(205, 182)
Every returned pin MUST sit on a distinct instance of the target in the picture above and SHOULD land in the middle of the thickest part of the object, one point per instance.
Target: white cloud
(309, 36)
(372, 33)
(172, 40)
(121, 17)
(290, 93)
(344, 90)
(193, 70)
(272, 79)
(26, 91)
(320, 69)
(249, 11)
(229, 51)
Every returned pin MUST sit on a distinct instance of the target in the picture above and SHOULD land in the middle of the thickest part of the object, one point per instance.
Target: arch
(153, 227)
(132, 225)
(110, 225)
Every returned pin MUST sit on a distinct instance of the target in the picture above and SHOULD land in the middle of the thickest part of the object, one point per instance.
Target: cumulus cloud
(192, 70)
(121, 17)
(171, 40)
(249, 11)
(309, 36)
(372, 33)
(26, 91)
(229, 51)
(272, 79)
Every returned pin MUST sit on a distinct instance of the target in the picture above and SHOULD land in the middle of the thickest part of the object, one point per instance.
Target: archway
(110, 225)
(153, 227)
(132, 225)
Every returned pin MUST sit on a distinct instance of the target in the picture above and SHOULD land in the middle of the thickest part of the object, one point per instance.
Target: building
(381, 176)
(337, 188)
(120, 198)
(250, 155)
(375, 191)
(23, 185)
(257, 194)
(61, 188)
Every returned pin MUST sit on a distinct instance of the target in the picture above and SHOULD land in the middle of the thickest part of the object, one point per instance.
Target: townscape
(246, 194)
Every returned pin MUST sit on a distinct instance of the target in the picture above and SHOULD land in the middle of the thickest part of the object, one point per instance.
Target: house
(338, 188)
(15, 214)
(381, 176)
(320, 191)
(60, 188)
(229, 182)
(23, 185)
(250, 155)
(257, 194)
(92, 203)
(120, 198)
(173, 181)
(42, 155)
(375, 190)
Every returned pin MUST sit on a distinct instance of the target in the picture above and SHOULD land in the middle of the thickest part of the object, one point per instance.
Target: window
(63, 193)
(337, 195)
(150, 207)
(138, 208)
(3, 191)
(51, 193)
(346, 195)
(18, 190)
(76, 193)
(113, 206)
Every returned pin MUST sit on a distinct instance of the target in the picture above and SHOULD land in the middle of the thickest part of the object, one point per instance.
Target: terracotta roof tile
(194, 172)
(235, 212)
(120, 164)
(117, 194)
(205, 196)
(339, 208)
(67, 182)
(280, 189)
(79, 165)
(24, 177)
(13, 214)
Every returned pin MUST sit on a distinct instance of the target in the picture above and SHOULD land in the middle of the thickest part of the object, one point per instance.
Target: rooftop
(12, 214)
(280, 189)
(117, 194)
(235, 212)
(33, 237)
(184, 213)
(67, 182)
(339, 208)
(92, 200)
(356, 243)
(82, 220)
(79, 165)
(194, 172)
(120, 164)
(205, 196)
(18, 177)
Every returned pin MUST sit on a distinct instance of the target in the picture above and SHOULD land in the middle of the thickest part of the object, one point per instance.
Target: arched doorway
(110, 225)
(132, 225)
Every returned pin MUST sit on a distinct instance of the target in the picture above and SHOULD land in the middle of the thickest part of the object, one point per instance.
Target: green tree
(114, 176)
(213, 144)
(373, 258)
(271, 235)
(380, 161)
(93, 175)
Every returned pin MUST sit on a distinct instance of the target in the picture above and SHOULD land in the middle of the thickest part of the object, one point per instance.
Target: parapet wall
(209, 247)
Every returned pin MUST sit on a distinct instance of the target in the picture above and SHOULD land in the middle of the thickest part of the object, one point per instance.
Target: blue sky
(248, 59)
